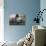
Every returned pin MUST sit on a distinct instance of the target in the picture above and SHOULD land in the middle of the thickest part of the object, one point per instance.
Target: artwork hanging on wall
(17, 20)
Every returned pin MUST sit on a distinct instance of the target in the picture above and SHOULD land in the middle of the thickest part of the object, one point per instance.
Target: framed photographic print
(17, 20)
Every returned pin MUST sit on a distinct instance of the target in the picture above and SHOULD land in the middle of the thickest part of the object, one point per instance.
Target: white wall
(1, 21)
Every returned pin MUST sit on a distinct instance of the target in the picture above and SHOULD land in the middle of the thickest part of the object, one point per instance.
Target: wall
(43, 6)
(1, 21)
(27, 7)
